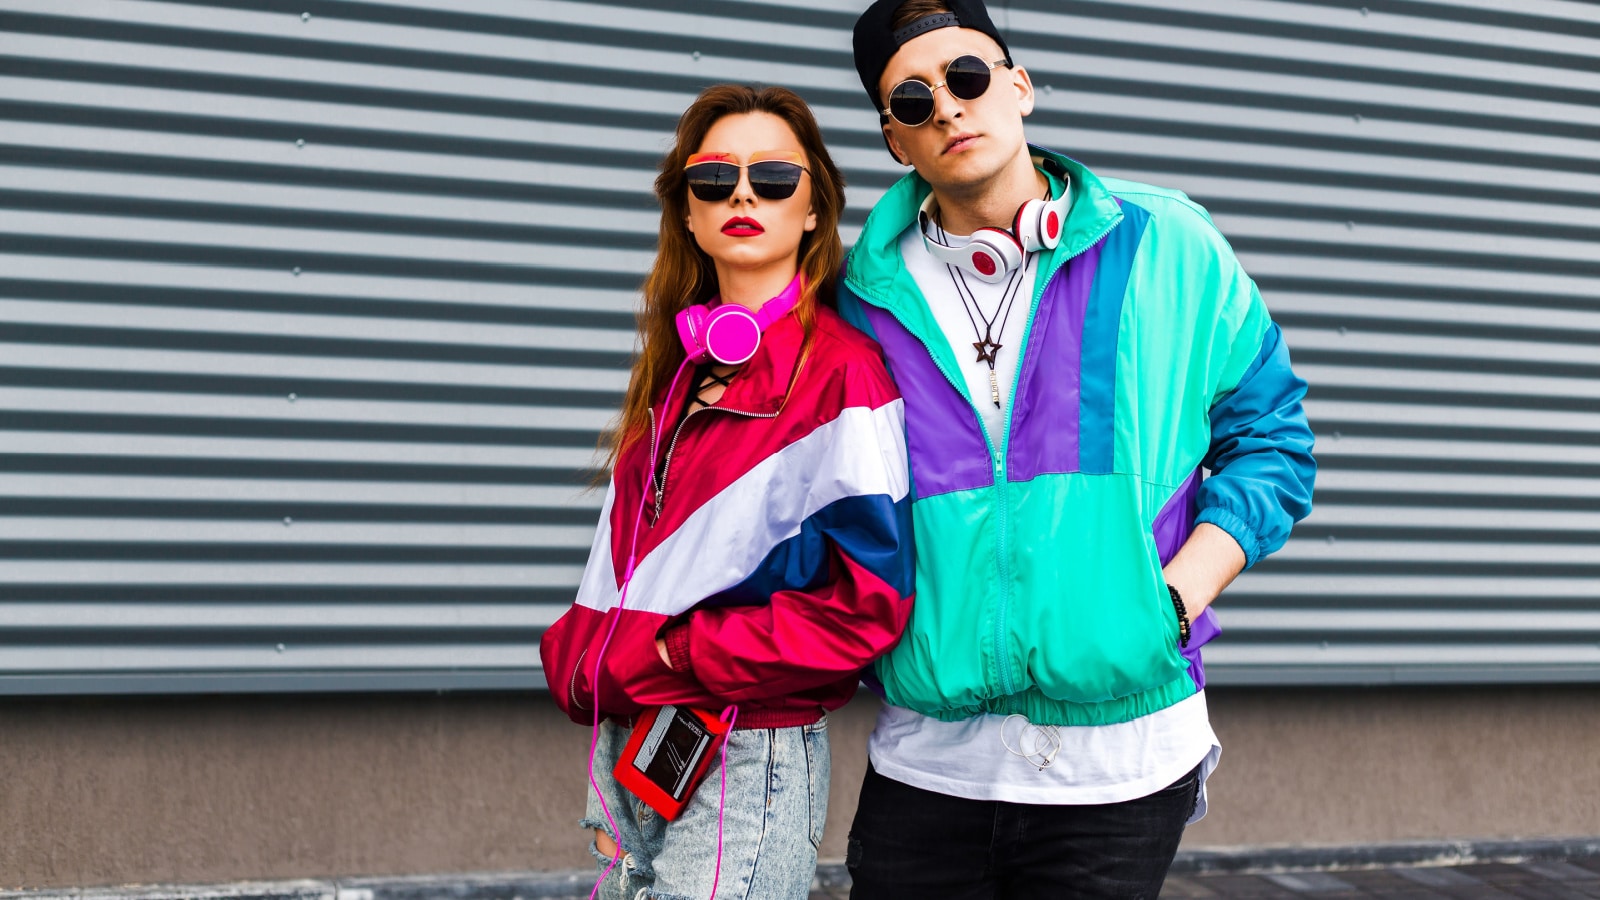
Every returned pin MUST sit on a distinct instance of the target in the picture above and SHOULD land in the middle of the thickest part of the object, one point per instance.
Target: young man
(1074, 352)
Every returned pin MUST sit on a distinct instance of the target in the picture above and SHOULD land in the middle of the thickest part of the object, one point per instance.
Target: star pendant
(987, 350)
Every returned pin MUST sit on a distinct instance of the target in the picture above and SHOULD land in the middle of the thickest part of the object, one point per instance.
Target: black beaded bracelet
(1183, 616)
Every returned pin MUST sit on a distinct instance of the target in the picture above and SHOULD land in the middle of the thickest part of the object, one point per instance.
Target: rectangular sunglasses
(967, 77)
(774, 174)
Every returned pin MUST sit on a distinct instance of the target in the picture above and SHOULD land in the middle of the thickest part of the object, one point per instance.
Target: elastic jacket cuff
(677, 638)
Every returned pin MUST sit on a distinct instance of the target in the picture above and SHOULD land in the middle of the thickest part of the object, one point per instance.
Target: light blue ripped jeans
(777, 802)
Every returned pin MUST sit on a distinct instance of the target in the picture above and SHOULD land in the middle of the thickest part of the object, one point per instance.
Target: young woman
(754, 550)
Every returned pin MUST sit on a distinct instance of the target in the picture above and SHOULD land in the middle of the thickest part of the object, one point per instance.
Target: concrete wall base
(223, 789)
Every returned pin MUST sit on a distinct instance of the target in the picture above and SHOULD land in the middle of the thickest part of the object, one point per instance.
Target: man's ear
(1024, 85)
(894, 146)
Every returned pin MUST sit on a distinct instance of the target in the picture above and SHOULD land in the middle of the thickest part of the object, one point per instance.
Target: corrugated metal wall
(310, 312)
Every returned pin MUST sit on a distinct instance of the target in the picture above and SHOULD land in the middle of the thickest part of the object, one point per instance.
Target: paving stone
(1559, 871)
(1310, 882)
(1181, 887)
(1243, 886)
(1546, 890)
(1498, 873)
(1437, 877)
(1383, 882)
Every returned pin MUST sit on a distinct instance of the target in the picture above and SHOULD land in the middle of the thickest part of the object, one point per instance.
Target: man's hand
(1206, 563)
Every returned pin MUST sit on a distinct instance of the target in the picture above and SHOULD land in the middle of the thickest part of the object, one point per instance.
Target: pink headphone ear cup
(992, 255)
(691, 322)
(732, 334)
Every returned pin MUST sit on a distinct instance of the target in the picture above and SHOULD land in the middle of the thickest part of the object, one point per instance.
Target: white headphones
(994, 253)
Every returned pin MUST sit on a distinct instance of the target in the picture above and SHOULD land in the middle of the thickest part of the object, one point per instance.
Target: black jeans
(910, 843)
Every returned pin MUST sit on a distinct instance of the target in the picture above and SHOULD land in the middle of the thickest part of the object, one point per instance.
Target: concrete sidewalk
(1548, 880)
(1545, 870)
(1552, 880)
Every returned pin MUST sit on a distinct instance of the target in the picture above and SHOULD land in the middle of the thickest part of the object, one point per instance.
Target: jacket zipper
(997, 459)
(666, 465)
(1007, 684)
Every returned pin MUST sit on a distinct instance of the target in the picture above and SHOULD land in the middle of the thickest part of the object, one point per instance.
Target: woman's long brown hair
(684, 275)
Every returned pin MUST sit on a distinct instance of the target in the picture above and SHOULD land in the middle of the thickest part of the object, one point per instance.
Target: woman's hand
(661, 648)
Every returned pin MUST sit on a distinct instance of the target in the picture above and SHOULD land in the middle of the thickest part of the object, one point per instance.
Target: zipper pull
(994, 387)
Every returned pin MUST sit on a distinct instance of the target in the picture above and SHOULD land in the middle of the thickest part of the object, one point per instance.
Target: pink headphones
(729, 333)
(995, 253)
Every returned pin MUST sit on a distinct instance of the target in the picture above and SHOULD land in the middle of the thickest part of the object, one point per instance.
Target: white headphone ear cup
(992, 256)
(1052, 222)
(1026, 226)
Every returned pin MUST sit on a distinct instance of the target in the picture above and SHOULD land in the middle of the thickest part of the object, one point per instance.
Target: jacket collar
(875, 265)
(763, 383)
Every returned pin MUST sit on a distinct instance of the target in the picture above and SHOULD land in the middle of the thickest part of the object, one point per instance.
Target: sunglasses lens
(911, 103)
(967, 77)
(774, 180)
(713, 181)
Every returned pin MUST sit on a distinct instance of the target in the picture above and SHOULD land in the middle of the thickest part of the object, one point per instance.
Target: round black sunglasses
(967, 77)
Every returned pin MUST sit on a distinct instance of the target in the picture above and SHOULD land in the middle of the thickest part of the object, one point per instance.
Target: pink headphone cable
(729, 715)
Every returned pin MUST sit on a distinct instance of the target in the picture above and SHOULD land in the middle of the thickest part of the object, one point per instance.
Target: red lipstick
(739, 226)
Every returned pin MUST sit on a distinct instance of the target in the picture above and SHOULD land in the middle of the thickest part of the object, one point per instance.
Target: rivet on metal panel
(287, 521)
(1350, 226)
(1343, 330)
(300, 143)
(1048, 89)
(1363, 10)
(1337, 435)
(293, 398)
(695, 54)
(281, 648)
(306, 17)
(1324, 645)
(1330, 538)
(1357, 118)
(295, 271)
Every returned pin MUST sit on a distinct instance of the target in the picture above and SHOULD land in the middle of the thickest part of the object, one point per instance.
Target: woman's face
(747, 231)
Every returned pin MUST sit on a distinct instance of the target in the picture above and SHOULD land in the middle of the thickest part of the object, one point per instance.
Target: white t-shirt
(1087, 764)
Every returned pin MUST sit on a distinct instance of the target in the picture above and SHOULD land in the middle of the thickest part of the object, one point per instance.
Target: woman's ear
(811, 219)
(689, 224)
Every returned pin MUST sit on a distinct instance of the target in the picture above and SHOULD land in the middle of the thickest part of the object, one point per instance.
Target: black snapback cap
(876, 40)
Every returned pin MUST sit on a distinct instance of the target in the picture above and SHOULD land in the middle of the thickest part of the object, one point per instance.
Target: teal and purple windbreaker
(1148, 358)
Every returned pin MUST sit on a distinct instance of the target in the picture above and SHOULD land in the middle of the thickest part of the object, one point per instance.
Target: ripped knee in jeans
(604, 847)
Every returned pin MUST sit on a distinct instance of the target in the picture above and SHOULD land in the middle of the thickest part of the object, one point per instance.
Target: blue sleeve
(1262, 470)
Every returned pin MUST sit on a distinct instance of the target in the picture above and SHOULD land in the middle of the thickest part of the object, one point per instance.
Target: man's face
(966, 142)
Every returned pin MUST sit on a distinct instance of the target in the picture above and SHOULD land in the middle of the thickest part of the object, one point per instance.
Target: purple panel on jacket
(948, 452)
(1201, 631)
(1176, 519)
(1044, 421)
(1172, 527)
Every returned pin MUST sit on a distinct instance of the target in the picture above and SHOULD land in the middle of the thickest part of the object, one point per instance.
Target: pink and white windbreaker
(780, 563)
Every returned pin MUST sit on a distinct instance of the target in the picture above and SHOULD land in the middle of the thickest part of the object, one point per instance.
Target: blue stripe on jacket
(1260, 457)
(872, 530)
(1102, 324)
